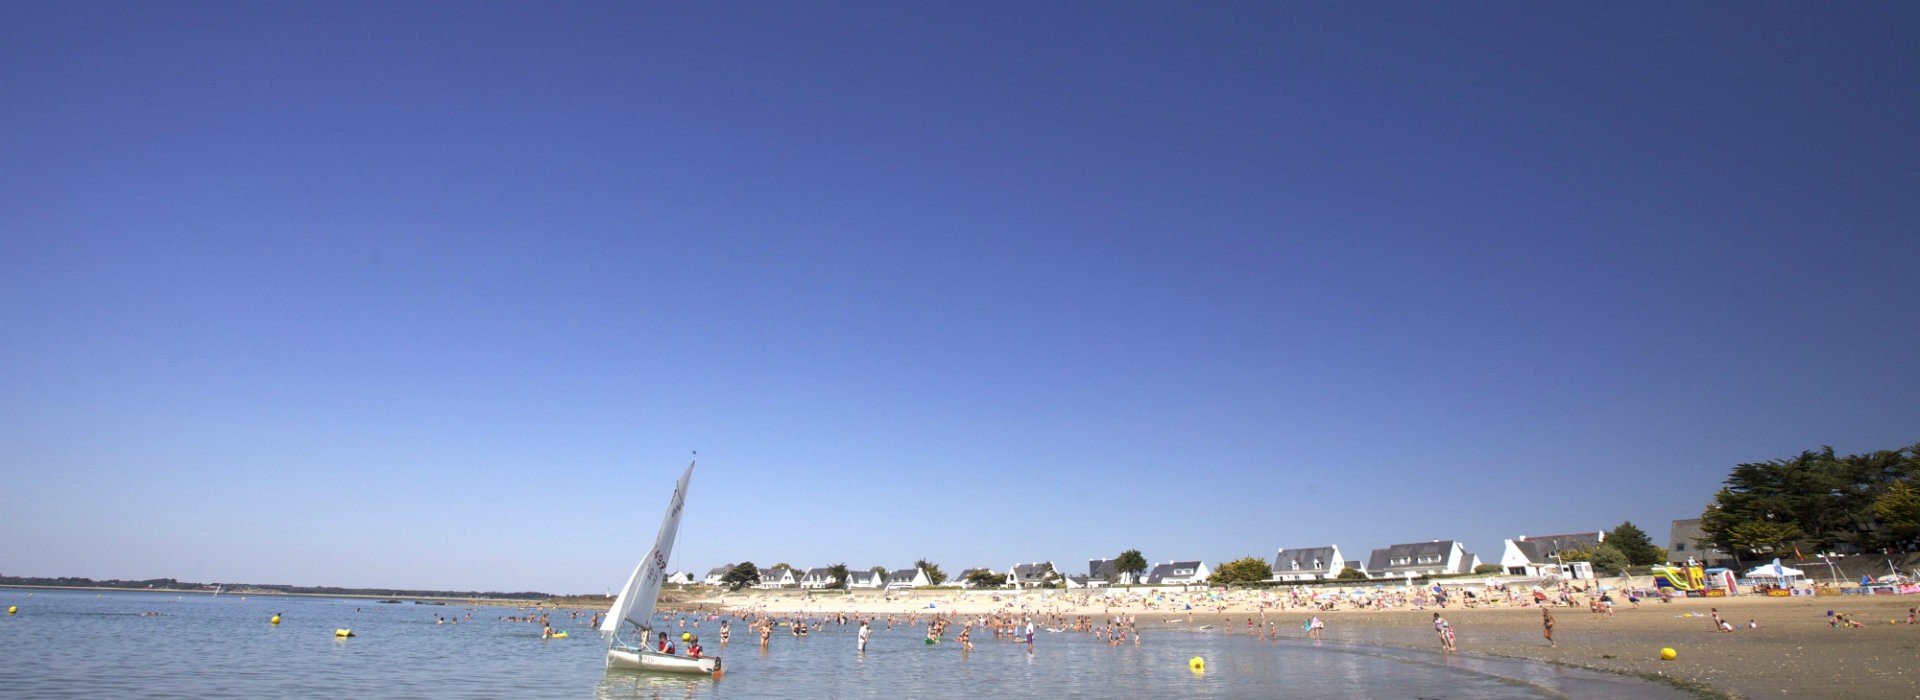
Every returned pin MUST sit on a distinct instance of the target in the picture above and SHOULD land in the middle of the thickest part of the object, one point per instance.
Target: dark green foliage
(1488, 569)
(1242, 571)
(934, 573)
(1607, 559)
(838, 572)
(741, 575)
(1130, 562)
(1350, 574)
(1817, 501)
(986, 579)
(1633, 542)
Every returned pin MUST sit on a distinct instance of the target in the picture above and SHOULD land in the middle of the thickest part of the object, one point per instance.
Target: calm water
(74, 644)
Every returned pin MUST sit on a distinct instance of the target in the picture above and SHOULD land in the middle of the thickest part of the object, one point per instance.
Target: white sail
(635, 604)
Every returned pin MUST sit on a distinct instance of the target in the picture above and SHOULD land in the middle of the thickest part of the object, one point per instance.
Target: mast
(635, 604)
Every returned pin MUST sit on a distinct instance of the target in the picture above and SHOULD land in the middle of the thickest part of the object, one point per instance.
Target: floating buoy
(276, 618)
(1668, 654)
(11, 609)
(1198, 664)
(686, 636)
(343, 633)
(559, 635)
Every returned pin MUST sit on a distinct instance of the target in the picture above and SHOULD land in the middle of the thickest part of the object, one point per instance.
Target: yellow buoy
(1668, 654)
(11, 609)
(1198, 664)
(686, 636)
(275, 620)
(343, 633)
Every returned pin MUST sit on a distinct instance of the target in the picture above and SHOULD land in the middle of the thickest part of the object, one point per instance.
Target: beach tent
(1776, 571)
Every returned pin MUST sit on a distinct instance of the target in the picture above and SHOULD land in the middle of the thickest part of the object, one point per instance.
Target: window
(1296, 565)
(1316, 564)
(1430, 559)
(1399, 561)
(1679, 546)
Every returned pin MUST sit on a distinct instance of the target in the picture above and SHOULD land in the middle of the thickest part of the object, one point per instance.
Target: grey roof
(860, 576)
(1284, 560)
(719, 570)
(1540, 550)
(969, 572)
(1101, 569)
(1159, 572)
(1031, 573)
(819, 573)
(1413, 551)
(902, 575)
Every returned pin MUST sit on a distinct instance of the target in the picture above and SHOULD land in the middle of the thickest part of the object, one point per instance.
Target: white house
(716, 576)
(965, 576)
(776, 578)
(817, 577)
(1308, 564)
(1420, 559)
(1031, 575)
(865, 579)
(1102, 572)
(908, 578)
(679, 578)
(1540, 555)
(1179, 573)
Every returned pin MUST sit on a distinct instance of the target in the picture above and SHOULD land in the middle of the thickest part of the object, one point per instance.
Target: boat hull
(634, 658)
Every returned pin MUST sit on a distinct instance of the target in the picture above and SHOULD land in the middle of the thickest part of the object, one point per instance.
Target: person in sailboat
(666, 645)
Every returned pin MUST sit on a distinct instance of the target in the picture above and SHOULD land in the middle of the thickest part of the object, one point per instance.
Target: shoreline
(1793, 652)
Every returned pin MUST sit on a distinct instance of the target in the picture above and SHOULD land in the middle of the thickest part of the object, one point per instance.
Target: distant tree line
(174, 584)
(1817, 502)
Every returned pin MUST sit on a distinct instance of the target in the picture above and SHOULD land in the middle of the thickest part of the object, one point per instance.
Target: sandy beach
(1793, 653)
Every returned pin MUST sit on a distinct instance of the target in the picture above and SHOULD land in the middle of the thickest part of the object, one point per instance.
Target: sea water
(88, 644)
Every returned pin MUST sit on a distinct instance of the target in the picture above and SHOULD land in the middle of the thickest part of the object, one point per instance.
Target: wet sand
(1793, 653)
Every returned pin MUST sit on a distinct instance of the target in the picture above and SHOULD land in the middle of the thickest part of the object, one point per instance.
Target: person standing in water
(865, 633)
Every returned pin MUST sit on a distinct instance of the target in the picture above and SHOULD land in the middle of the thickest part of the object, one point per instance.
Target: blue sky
(443, 294)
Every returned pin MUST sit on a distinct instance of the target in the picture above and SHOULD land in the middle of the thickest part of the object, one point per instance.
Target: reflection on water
(77, 645)
(628, 685)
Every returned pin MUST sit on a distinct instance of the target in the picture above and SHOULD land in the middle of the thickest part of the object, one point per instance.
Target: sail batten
(636, 600)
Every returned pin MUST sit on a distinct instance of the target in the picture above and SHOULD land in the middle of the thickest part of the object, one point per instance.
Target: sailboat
(629, 624)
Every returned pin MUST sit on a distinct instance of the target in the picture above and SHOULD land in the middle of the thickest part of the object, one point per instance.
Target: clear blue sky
(443, 294)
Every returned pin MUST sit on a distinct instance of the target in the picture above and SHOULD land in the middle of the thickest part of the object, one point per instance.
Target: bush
(1489, 569)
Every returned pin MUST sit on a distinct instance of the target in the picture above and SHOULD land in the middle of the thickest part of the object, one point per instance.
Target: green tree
(1242, 571)
(838, 574)
(741, 575)
(934, 573)
(1898, 511)
(1607, 560)
(1130, 562)
(1350, 574)
(1633, 542)
(1816, 498)
(986, 579)
(1488, 569)
(1762, 537)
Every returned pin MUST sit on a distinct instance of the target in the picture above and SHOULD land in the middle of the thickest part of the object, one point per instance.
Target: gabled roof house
(776, 578)
(1434, 558)
(716, 576)
(1539, 555)
(908, 578)
(1030, 575)
(817, 577)
(865, 578)
(1179, 573)
(1308, 564)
